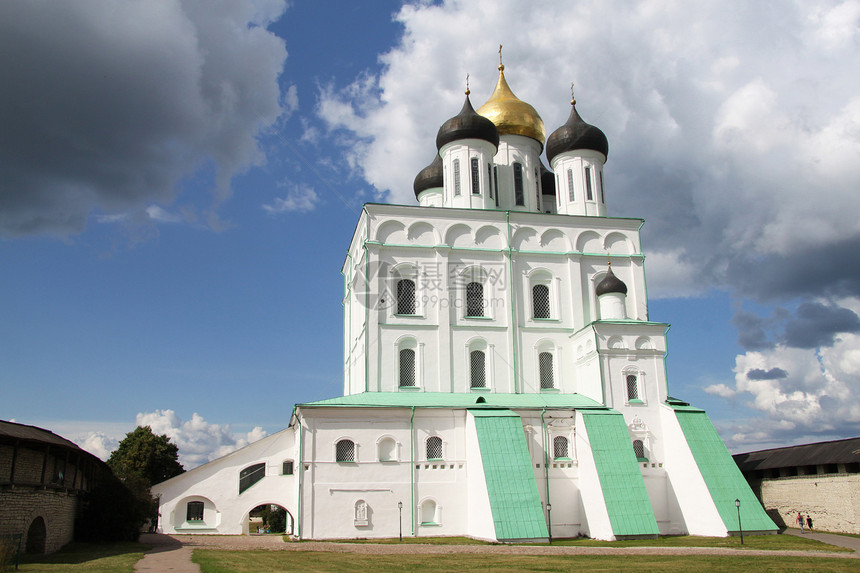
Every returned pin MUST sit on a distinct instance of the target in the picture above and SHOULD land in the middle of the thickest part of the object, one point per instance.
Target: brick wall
(833, 501)
(20, 506)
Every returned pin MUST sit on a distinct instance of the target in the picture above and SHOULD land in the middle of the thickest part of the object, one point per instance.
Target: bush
(111, 512)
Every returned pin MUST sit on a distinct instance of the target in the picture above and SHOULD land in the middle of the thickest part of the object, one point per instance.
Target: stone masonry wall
(20, 506)
(833, 501)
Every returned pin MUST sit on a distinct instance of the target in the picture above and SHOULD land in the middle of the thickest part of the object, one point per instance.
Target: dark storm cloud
(818, 324)
(751, 330)
(107, 105)
(772, 374)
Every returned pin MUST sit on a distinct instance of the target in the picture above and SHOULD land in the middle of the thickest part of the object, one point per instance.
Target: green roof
(514, 499)
(721, 474)
(454, 400)
(624, 493)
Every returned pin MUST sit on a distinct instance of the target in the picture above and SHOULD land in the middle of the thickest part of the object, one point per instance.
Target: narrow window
(344, 451)
(490, 179)
(476, 189)
(639, 450)
(194, 511)
(287, 469)
(496, 183)
(570, 183)
(632, 387)
(558, 187)
(456, 177)
(405, 296)
(545, 366)
(537, 190)
(559, 447)
(540, 301)
(434, 448)
(251, 475)
(478, 369)
(474, 299)
(602, 194)
(518, 184)
(428, 513)
(407, 367)
(588, 193)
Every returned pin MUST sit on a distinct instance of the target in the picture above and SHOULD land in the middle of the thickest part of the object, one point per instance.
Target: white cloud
(300, 198)
(720, 390)
(158, 214)
(108, 106)
(199, 441)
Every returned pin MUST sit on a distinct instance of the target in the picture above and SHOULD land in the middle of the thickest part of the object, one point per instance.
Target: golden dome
(512, 115)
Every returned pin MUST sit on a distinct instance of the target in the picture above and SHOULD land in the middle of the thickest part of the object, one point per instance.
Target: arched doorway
(36, 536)
(270, 518)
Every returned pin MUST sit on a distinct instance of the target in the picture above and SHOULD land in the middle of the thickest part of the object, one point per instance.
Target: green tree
(147, 456)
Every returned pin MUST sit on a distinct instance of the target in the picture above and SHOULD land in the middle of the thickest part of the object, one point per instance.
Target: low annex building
(821, 480)
(42, 480)
(502, 377)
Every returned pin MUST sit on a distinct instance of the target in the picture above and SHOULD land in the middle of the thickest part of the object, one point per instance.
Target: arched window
(588, 192)
(344, 451)
(434, 448)
(474, 299)
(639, 450)
(251, 475)
(537, 190)
(476, 187)
(428, 513)
(478, 369)
(387, 450)
(560, 448)
(194, 511)
(490, 179)
(405, 296)
(602, 193)
(570, 184)
(496, 183)
(518, 184)
(407, 367)
(540, 301)
(545, 366)
(632, 387)
(456, 177)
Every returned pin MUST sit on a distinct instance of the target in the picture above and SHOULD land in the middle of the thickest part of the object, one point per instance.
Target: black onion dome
(547, 180)
(576, 134)
(467, 125)
(430, 177)
(610, 283)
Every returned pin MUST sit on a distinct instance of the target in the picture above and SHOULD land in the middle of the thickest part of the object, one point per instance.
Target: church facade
(502, 377)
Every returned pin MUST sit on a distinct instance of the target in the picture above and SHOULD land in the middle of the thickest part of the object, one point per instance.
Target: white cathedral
(502, 378)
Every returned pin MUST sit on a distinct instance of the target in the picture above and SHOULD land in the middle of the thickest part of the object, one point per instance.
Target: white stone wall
(832, 501)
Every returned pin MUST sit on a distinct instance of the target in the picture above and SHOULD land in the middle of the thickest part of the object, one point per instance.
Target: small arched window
(602, 193)
(496, 183)
(478, 369)
(632, 387)
(476, 184)
(407, 367)
(474, 299)
(537, 190)
(518, 184)
(387, 450)
(490, 179)
(570, 184)
(344, 451)
(589, 194)
(456, 177)
(639, 450)
(540, 301)
(194, 511)
(428, 513)
(251, 475)
(560, 448)
(546, 374)
(434, 448)
(405, 296)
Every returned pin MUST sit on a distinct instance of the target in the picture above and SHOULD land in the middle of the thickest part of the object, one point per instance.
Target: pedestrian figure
(808, 522)
(800, 521)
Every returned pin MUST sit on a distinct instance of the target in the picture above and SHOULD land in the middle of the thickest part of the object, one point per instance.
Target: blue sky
(179, 182)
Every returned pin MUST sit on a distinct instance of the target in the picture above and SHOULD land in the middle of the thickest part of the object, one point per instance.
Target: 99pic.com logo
(374, 285)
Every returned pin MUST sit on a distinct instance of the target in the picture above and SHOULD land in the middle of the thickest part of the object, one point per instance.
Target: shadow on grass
(76, 553)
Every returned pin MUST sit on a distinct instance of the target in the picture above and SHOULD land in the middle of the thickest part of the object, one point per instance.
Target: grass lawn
(765, 542)
(219, 561)
(90, 557)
